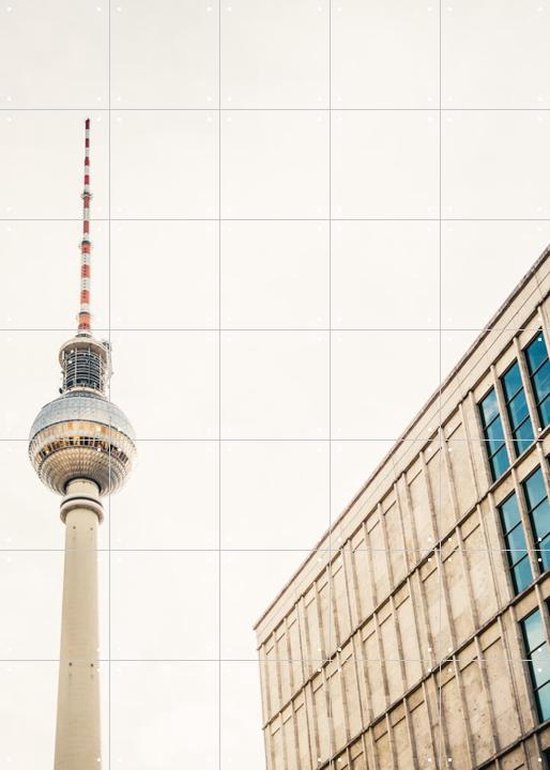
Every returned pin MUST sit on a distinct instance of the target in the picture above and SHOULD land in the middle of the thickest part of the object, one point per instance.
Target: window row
(516, 407)
(83, 441)
(515, 404)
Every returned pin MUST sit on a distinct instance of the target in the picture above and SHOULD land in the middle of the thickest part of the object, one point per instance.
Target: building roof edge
(470, 350)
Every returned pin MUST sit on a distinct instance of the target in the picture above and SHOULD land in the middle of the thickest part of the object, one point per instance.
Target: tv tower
(82, 446)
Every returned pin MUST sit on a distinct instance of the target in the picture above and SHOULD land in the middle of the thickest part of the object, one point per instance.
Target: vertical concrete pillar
(77, 741)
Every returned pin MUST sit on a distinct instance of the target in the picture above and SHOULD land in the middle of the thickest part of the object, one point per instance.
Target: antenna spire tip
(85, 244)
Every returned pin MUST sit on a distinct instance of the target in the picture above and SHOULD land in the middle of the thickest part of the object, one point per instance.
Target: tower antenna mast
(84, 326)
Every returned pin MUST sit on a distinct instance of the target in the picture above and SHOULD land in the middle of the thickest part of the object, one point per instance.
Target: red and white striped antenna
(84, 325)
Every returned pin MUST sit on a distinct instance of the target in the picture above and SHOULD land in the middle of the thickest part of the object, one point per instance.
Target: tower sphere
(82, 435)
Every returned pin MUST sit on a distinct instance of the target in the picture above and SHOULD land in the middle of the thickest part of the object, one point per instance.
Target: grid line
(92, 108)
(308, 329)
(424, 437)
(220, 234)
(329, 682)
(251, 660)
(439, 749)
(279, 219)
(109, 319)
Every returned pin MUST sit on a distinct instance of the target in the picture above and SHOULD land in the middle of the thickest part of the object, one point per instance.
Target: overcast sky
(392, 290)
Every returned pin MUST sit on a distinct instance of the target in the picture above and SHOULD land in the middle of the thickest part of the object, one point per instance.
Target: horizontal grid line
(434, 549)
(279, 219)
(321, 439)
(94, 109)
(449, 657)
(285, 329)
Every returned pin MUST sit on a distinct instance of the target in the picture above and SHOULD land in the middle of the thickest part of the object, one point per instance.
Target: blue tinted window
(536, 356)
(536, 352)
(535, 490)
(511, 382)
(494, 435)
(499, 462)
(516, 542)
(522, 574)
(509, 511)
(541, 519)
(538, 658)
(517, 408)
(541, 530)
(541, 380)
(516, 547)
(544, 411)
(541, 658)
(523, 438)
(534, 630)
(539, 515)
(543, 697)
(489, 407)
(518, 412)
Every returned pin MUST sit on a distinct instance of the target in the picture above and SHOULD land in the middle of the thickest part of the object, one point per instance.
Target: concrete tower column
(77, 742)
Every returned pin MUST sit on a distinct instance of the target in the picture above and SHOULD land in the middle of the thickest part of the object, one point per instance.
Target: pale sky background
(392, 291)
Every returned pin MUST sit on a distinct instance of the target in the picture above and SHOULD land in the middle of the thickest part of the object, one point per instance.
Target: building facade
(417, 632)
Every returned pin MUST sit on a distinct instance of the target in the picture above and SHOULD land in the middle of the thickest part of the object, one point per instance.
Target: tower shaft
(77, 743)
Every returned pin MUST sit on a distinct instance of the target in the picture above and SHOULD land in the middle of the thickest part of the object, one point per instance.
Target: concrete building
(417, 632)
(81, 445)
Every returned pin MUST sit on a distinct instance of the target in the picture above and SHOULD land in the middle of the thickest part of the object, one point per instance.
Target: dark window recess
(539, 514)
(83, 368)
(516, 547)
(517, 409)
(538, 660)
(538, 364)
(494, 435)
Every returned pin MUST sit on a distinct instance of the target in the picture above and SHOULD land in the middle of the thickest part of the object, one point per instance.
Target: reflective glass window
(494, 435)
(536, 355)
(518, 412)
(516, 546)
(538, 658)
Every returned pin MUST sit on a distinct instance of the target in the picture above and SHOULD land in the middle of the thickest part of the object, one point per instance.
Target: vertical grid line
(439, 749)
(330, 572)
(219, 384)
(109, 225)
